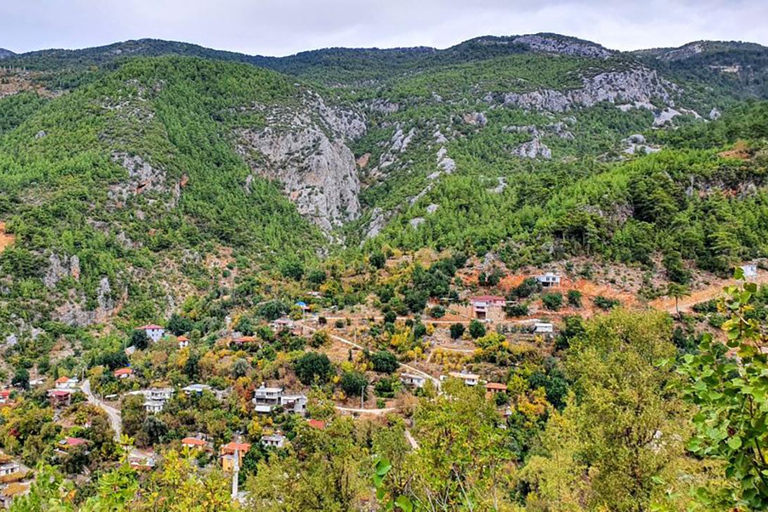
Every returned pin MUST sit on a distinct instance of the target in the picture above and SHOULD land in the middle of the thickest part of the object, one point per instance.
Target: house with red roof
(194, 443)
(124, 373)
(320, 425)
(183, 342)
(154, 332)
(493, 388)
(230, 451)
(72, 442)
(66, 383)
(60, 397)
(5, 396)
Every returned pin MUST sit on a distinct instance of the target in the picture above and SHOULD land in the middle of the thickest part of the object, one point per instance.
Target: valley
(519, 273)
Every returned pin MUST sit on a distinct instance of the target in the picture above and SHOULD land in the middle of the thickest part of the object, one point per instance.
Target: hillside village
(231, 399)
(520, 274)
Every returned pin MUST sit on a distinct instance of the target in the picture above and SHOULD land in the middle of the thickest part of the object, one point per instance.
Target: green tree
(312, 368)
(574, 298)
(384, 361)
(457, 331)
(732, 397)
(552, 301)
(476, 329)
(677, 292)
(139, 339)
(354, 383)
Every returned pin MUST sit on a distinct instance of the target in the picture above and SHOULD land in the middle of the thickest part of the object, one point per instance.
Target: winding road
(113, 414)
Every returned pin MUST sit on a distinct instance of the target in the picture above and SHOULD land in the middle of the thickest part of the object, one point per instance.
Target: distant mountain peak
(6, 53)
(544, 42)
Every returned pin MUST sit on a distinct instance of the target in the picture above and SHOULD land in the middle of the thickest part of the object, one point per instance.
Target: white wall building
(154, 332)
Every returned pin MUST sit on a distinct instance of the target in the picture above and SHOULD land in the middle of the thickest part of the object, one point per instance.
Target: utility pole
(235, 474)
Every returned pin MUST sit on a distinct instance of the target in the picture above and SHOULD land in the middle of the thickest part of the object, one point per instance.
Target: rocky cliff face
(563, 45)
(305, 150)
(637, 85)
(6, 53)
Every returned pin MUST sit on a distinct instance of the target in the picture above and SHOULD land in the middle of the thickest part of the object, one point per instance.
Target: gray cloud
(281, 27)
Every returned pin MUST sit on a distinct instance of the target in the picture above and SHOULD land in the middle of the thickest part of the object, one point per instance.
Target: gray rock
(142, 178)
(636, 139)
(634, 85)
(433, 208)
(416, 222)
(566, 46)
(40, 134)
(665, 116)
(714, 113)
(533, 149)
(104, 295)
(317, 171)
(447, 165)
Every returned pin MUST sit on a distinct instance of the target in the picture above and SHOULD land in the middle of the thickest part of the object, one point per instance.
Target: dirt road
(712, 291)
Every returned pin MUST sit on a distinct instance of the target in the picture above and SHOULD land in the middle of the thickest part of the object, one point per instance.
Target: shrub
(353, 383)
(384, 361)
(553, 301)
(476, 329)
(605, 303)
(526, 289)
(437, 312)
(516, 310)
(574, 298)
(457, 331)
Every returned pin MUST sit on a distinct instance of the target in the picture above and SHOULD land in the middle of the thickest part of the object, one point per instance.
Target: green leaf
(734, 442)
(382, 467)
(404, 503)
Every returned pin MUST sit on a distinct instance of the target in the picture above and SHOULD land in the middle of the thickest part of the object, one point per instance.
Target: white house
(163, 394)
(470, 379)
(154, 398)
(750, 270)
(183, 342)
(410, 379)
(154, 406)
(66, 383)
(154, 332)
(9, 468)
(296, 404)
(196, 388)
(266, 399)
(549, 279)
(543, 328)
(274, 440)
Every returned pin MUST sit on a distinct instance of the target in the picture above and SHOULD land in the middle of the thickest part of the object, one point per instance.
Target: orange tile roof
(231, 447)
(193, 441)
(123, 371)
(496, 385)
(62, 380)
(316, 424)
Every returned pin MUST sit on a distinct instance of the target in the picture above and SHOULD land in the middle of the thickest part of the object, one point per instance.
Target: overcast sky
(282, 27)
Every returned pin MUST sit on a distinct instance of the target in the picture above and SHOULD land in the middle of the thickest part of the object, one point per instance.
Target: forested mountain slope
(124, 175)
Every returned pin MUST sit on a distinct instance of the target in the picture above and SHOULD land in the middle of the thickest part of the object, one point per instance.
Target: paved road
(113, 414)
(376, 412)
(410, 368)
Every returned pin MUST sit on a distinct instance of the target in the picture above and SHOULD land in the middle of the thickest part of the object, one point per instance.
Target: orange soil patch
(712, 291)
(739, 151)
(6, 239)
